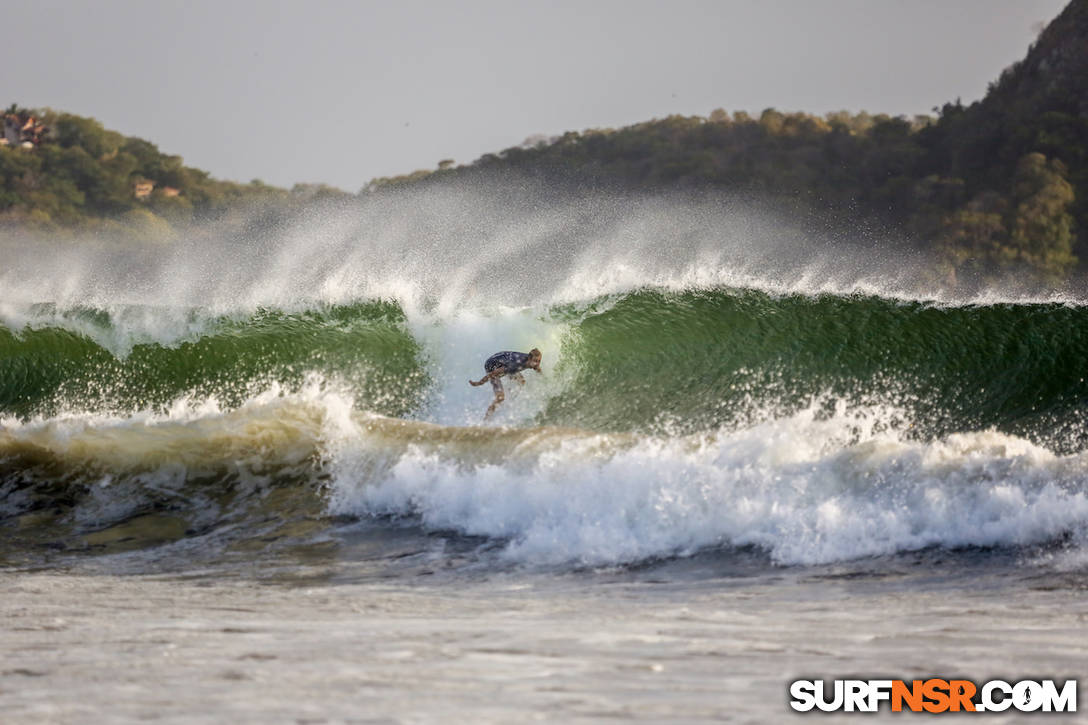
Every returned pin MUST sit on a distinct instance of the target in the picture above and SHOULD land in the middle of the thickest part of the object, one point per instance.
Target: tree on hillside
(994, 236)
(1041, 227)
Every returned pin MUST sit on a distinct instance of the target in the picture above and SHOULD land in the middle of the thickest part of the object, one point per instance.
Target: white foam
(805, 490)
(809, 488)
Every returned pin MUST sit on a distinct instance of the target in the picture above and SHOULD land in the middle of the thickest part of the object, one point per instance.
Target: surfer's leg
(496, 385)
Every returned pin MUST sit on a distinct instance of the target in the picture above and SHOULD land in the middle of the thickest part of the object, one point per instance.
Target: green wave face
(364, 347)
(649, 361)
(703, 360)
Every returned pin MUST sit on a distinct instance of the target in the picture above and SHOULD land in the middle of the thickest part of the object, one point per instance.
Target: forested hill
(997, 187)
(66, 174)
(1039, 104)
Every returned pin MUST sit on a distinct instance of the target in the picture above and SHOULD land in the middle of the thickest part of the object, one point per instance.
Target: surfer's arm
(519, 378)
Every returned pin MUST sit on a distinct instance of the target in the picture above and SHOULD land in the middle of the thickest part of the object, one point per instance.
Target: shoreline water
(513, 647)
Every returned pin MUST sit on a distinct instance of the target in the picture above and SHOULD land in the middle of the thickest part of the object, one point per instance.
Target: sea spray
(806, 489)
(468, 247)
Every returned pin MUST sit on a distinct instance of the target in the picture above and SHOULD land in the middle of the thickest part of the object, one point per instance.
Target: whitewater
(742, 424)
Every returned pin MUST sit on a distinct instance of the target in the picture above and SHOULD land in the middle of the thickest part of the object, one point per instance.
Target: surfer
(506, 363)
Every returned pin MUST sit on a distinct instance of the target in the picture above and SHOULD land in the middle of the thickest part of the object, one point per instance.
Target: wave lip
(703, 359)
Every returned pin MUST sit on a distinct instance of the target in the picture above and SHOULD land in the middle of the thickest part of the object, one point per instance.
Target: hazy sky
(341, 92)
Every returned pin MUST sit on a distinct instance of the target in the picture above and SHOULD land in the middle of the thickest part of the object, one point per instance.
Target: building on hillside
(170, 191)
(24, 131)
(141, 188)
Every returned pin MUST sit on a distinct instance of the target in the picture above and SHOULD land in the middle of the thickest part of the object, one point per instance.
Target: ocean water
(245, 477)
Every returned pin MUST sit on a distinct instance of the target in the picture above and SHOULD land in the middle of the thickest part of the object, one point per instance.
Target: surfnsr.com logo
(933, 695)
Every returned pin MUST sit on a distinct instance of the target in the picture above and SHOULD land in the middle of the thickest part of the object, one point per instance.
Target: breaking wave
(698, 392)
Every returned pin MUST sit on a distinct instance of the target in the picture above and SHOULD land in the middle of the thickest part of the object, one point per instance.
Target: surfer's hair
(535, 352)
